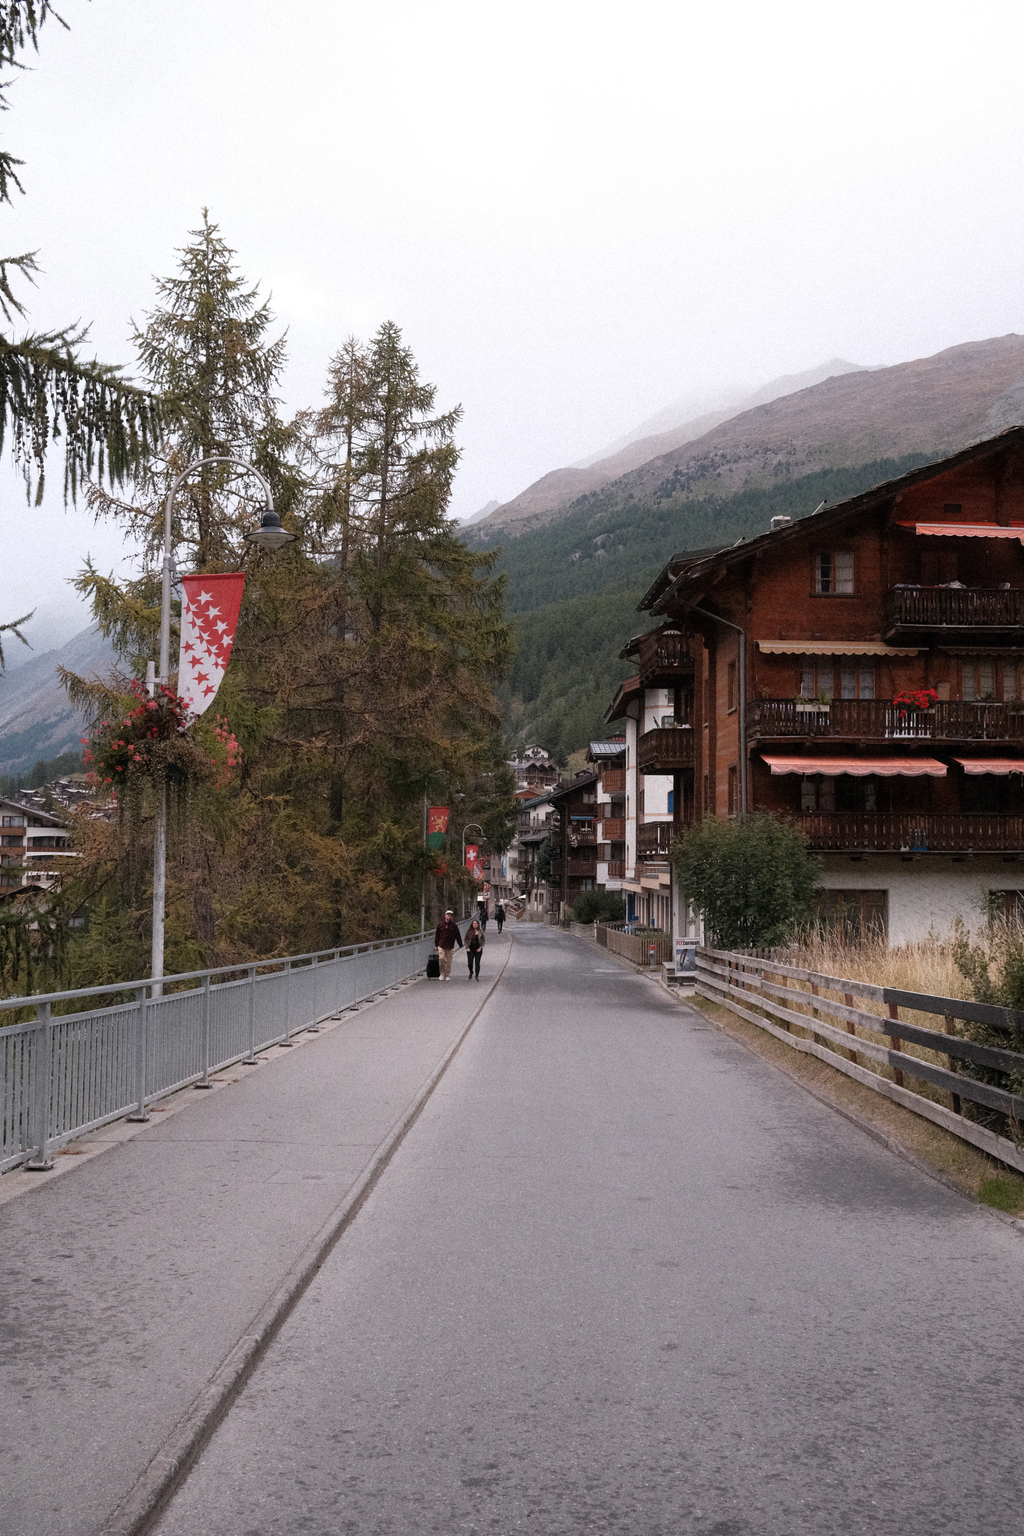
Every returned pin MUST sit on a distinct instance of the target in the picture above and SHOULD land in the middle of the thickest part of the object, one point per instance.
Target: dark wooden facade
(916, 585)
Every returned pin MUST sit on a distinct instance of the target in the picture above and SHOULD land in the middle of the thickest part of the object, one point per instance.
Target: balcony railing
(884, 832)
(581, 837)
(613, 829)
(963, 608)
(664, 657)
(881, 720)
(665, 751)
(654, 839)
(616, 869)
(613, 781)
(578, 866)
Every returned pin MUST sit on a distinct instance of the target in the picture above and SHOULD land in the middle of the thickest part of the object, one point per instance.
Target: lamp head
(270, 534)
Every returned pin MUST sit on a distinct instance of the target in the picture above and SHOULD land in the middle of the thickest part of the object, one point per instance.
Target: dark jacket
(475, 938)
(447, 935)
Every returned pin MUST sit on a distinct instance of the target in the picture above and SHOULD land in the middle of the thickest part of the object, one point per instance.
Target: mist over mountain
(36, 718)
(576, 572)
(933, 405)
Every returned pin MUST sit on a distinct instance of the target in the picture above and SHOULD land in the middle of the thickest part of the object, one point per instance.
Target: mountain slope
(934, 405)
(36, 718)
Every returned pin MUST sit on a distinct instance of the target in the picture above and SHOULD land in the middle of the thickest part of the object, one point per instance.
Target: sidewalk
(132, 1277)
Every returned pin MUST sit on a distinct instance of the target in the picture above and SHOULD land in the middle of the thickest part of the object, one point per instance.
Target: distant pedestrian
(446, 936)
(475, 942)
(499, 916)
(481, 912)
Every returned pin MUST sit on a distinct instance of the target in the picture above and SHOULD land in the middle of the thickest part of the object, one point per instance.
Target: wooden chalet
(860, 670)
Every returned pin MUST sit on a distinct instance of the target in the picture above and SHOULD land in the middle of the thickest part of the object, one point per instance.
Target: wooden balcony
(581, 837)
(665, 751)
(664, 661)
(613, 781)
(909, 833)
(613, 829)
(616, 869)
(910, 611)
(654, 839)
(881, 720)
(577, 866)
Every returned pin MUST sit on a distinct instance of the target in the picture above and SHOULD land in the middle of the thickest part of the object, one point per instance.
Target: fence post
(313, 1027)
(288, 1005)
(894, 1013)
(950, 1023)
(42, 1071)
(250, 1060)
(851, 1028)
(204, 1081)
(140, 1112)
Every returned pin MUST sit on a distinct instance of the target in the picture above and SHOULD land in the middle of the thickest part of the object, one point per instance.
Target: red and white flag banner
(209, 617)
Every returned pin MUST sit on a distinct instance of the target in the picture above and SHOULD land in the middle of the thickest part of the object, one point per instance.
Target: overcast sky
(577, 213)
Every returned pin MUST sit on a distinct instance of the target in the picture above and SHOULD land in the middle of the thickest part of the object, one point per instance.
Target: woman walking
(474, 948)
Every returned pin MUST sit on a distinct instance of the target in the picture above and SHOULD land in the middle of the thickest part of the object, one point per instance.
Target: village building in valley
(860, 671)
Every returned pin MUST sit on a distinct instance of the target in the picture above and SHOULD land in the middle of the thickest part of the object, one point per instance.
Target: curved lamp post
(269, 535)
(476, 825)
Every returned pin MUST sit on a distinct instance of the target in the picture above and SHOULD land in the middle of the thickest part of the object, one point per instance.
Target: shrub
(598, 906)
(752, 878)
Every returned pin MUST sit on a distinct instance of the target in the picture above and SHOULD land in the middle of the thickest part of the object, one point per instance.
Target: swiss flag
(209, 618)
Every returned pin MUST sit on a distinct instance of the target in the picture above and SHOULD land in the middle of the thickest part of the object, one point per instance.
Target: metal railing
(63, 1074)
(654, 839)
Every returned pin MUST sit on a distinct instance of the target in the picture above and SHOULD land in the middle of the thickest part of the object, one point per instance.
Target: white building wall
(925, 895)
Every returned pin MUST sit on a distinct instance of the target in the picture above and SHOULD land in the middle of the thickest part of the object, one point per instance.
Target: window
(707, 793)
(707, 699)
(857, 680)
(730, 685)
(846, 678)
(833, 572)
(979, 680)
(10, 842)
(856, 913)
(817, 795)
(12, 821)
(734, 789)
(1011, 680)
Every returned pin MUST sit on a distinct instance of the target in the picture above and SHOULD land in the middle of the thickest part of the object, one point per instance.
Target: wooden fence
(636, 947)
(840, 1033)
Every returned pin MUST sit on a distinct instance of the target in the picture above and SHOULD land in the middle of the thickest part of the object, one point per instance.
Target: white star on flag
(206, 645)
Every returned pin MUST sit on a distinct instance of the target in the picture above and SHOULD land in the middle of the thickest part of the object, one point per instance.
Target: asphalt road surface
(625, 1279)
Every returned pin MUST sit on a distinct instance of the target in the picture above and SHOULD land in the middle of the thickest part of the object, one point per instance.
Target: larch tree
(48, 392)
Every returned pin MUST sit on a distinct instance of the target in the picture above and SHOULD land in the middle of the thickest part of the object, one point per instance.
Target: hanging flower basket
(155, 741)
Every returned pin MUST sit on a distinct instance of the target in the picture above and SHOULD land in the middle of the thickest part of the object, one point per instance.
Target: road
(625, 1279)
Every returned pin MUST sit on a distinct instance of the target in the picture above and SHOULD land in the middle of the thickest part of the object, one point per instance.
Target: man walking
(446, 936)
(499, 913)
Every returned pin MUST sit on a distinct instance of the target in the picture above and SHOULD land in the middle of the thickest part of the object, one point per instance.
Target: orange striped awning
(859, 767)
(1000, 765)
(968, 530)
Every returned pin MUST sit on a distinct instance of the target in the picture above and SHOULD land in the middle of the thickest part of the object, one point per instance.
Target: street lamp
(270, 535)
(477, 827)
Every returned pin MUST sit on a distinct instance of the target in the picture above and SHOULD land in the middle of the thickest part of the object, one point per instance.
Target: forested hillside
(574, 586)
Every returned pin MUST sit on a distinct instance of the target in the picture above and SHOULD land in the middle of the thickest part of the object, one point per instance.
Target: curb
(146, 1501)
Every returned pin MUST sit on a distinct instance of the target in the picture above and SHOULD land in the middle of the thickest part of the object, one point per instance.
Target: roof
(624, 694)
(26, 808)
(562, 791)
(606, 749)
(701, 565)
(674, 568)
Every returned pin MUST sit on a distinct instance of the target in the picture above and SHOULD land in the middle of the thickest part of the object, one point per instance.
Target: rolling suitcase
(433, 965)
